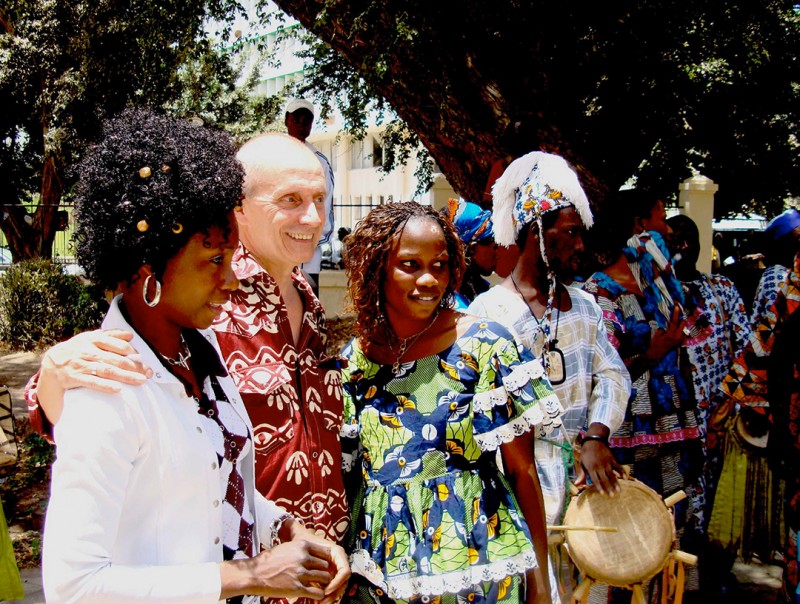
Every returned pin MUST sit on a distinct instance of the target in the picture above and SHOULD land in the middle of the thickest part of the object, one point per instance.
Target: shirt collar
(245, 266)
(205, 360)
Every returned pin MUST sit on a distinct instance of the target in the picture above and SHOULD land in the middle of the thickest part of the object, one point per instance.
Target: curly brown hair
(368, 248)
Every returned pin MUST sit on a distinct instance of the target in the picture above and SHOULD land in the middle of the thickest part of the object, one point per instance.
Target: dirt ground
(24, 487)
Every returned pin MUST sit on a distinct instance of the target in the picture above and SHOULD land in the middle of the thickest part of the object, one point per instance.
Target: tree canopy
(650, 90)
(64, 66)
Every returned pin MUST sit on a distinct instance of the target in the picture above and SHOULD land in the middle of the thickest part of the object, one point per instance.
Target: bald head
(266, 156)
(282, 214)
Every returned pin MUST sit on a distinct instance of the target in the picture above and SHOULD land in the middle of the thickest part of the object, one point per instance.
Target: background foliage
(651, 89)
(646, 89)
(40, 305)
(64, 66)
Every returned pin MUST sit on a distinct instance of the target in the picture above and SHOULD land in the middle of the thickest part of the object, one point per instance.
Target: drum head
(639, 548)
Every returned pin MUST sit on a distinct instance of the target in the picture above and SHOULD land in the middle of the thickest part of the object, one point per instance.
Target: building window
(377, 153)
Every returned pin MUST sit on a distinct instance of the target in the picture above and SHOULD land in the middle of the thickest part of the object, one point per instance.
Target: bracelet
(275, 527)
(597, 437)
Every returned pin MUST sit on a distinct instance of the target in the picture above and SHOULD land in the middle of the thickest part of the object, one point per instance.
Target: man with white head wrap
(540, 206)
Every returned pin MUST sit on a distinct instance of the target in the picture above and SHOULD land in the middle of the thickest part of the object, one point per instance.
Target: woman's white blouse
(135, 513)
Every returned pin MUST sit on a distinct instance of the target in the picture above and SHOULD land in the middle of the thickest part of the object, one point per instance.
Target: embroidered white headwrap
(532, 185)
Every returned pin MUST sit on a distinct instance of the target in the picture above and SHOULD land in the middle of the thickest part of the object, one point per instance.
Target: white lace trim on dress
(545, 416)
(453, 582)
(349, 431)
(484, 401)
(523, 374)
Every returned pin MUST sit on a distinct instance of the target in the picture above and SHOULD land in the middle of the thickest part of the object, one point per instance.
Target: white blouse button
(216, 503)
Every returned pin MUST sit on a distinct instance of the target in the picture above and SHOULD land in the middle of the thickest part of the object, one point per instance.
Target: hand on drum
(599, 463)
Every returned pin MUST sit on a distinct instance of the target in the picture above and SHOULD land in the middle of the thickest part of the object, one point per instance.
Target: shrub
(40, 305)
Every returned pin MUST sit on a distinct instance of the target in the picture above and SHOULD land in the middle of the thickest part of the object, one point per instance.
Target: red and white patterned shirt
(292, 394)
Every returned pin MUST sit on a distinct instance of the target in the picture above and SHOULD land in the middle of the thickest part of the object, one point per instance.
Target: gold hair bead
(142, 226)
(145, 172)
(165, 168)
(177, 228)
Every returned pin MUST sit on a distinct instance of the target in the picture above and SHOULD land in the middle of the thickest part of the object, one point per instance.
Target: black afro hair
(150, 184)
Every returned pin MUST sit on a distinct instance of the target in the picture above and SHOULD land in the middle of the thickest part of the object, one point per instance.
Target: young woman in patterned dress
(431, 396)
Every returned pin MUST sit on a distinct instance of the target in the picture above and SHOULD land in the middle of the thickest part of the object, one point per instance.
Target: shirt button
(315, 455)
(158, 375)
(216, 503)
(216, 541)
(199, 430)
(214, 466)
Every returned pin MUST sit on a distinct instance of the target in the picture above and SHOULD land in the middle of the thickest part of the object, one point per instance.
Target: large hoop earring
(157, 298)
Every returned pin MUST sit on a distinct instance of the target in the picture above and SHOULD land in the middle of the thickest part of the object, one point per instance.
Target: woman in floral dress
(431, 395)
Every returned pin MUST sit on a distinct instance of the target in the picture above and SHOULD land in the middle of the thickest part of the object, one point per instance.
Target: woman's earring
(157, 298)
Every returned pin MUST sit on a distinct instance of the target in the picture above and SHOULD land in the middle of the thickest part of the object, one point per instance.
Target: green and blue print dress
(435, 519)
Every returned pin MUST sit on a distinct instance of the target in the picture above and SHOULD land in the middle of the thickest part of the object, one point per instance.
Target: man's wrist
(595, 437)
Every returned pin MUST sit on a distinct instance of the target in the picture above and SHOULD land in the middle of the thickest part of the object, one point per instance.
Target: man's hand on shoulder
(100, 360)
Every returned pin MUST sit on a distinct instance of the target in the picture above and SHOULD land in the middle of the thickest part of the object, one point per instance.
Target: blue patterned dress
(437, 519)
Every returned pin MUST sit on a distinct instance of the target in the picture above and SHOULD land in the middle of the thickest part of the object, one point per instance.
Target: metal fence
(63, 250)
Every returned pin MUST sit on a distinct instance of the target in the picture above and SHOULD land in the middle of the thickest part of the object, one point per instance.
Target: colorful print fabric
(772, 281)
(292, 394)
(662, 406)
(438, 516)
(712, 358)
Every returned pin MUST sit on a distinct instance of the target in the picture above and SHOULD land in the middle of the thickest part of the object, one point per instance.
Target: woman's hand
(99, 360)
(297, 569)
(521, 471)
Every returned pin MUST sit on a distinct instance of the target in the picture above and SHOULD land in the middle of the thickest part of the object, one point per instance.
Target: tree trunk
(34, 239)
(469, 108)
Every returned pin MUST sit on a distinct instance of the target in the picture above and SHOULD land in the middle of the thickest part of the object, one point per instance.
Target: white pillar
(696, 200)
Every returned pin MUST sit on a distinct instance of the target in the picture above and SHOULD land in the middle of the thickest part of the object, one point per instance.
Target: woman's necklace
(405, 343)
(184, 354)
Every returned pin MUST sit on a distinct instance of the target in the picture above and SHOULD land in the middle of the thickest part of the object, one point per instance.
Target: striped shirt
(597, 385)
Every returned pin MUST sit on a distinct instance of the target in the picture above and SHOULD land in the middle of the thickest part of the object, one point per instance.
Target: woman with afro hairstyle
(430, 396)
(153, 493)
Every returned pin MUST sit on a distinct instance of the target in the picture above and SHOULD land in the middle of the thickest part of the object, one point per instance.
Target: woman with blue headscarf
(474, 227)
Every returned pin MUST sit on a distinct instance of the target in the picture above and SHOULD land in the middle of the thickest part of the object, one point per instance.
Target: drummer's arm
(611, 389)
(599, 462)
(520, 468)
